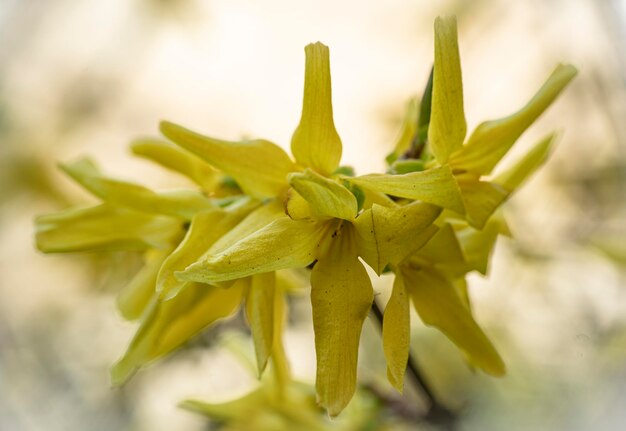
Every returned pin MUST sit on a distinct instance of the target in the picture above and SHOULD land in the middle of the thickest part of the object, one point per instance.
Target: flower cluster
(257, 212)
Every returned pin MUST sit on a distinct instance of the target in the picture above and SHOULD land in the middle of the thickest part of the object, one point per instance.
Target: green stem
(280, 364)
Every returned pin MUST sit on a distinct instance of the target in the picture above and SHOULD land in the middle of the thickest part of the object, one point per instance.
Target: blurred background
(86, 77)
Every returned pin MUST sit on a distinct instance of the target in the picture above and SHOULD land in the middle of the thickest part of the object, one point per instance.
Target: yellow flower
(434, 276)
(430, 222)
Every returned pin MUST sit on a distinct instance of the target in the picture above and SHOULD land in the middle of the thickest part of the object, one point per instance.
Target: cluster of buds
(258, 213)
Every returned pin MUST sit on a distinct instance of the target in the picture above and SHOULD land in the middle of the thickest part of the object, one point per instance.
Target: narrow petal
(389, 235)
(443, 249)
(135, 296)
(172, 323)
(513, 177)
(374, 197)
(447, 127)
(326, 197)
(341, 296)
(315, 142)
(205, 229)
(104, 227)
(284, 243)
(493, 139)
(256, 220)
(435, 186)
(230, 411)
(481, 199)
(184, 203)
(258, 166)
(260, 315)
(477, 245)
(280, 364)
(397, 334)
(171, 157)
(439, 304)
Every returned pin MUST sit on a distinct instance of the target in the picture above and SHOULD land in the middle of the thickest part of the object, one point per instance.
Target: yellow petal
(260, 315)
(205, 229)
(297, 208)
(315, 142)
(183, 203)
(439, 304)
(478, 244)
(397, 334)
(104, 227)
(341, 296)
(202, 309)
(481, 200)
(389, 235)
(234, 411)
(172, 323)
(256, 220)
(135, 296)
(280, 363)
(513, 177)
(326, 197)
(258, 166)
(373, 197)
(435, 186)
(177, 160)
(443, 249)
(493, 139)
(447, 128)
(284, 243)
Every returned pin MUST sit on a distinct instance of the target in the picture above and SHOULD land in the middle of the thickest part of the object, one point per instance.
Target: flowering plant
(257, 213)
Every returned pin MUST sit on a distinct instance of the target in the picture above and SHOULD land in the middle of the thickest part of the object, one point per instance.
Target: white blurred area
(82, 78)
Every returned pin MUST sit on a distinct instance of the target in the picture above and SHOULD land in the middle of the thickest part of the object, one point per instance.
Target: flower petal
(235, 411)
(435, 186)
(258, 166)
(280, 364)
(493, 139)
(481, 200)
(447, 128)
(104, 227)
(183, 203)
(315, 142)
(135, 296)
(256, 220)
(326, 197)
(513, 177)
(260, 315)
(389, 235)
(205, 229)
(171, 157)
(284, 243)
(297, 208)
(478, 244)
(439, 304)
(397, 334)
(443, 249)
(172, 323)
(341, 296)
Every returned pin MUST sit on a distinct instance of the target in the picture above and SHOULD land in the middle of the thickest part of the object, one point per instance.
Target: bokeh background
(86, 77)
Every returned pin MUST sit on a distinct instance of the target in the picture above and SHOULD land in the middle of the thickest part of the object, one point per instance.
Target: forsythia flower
(430, 221)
